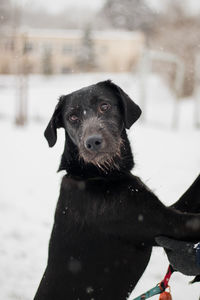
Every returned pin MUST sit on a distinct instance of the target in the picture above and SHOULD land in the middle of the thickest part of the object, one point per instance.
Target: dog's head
(94, 118)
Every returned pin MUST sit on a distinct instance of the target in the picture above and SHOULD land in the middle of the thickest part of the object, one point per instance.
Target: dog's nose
(94, 142)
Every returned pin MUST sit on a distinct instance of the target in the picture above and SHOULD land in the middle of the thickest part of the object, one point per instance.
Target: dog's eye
(73, 118)
(104, 107)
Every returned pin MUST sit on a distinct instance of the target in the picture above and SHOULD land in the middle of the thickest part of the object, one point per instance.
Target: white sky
(59, 5)
(191, 5)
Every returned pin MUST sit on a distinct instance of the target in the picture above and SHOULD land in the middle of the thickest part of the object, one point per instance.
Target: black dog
(106, 219)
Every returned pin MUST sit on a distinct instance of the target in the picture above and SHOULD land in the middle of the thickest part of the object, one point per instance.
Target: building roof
(77, 34)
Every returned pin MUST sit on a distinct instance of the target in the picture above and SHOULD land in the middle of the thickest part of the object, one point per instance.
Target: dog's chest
(91, 201)
(86, 200)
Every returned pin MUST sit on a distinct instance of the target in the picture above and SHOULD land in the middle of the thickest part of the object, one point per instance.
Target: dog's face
(94, 122)
(94, 118)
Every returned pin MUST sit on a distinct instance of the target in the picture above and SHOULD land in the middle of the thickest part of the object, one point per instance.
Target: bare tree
(5, 14)
(128, 14)
(178, 32)
(47, 62)
(86, 55)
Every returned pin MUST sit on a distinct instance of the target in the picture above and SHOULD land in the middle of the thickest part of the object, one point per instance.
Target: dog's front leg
(145, 218)
(162, 220)
(190, 200)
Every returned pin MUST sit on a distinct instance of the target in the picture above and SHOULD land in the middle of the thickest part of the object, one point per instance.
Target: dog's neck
(76, 167)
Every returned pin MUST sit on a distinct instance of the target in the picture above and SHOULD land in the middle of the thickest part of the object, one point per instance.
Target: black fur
(106, 219)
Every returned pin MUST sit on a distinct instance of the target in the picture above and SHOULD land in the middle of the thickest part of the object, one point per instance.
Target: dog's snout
(94, 142)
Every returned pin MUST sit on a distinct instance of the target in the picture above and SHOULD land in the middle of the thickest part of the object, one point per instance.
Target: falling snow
(167, 161)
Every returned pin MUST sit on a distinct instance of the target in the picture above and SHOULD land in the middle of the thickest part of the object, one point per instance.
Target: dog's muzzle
(94, 143)
(98, 143)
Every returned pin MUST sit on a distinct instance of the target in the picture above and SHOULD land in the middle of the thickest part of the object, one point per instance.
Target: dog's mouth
(100, 144)
(103, 155)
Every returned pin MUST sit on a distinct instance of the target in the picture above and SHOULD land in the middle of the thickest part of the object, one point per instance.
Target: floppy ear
(55, 122)
(131, 110)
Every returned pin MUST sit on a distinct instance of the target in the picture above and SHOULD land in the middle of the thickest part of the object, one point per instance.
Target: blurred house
(64, 51)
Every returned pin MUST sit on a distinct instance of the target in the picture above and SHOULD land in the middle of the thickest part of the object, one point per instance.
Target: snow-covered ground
(167, 161)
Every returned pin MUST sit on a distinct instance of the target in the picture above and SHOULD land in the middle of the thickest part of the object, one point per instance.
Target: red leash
(164, 282)
(159, 288)
(164, 285)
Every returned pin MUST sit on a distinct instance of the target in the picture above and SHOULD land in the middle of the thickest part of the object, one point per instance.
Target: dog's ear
(54, 123)
(131, 110)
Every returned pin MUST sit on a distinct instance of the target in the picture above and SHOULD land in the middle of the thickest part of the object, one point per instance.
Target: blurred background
(151, 49)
